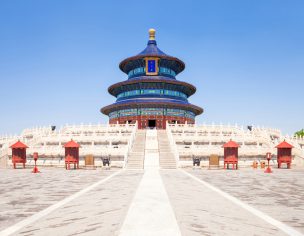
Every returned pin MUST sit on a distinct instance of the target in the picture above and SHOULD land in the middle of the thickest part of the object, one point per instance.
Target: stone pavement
(150, 212)
(22, 193)
(201, 211)
(107, 198)
(280, 194)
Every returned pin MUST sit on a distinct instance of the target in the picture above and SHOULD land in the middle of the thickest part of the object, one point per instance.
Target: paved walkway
(200, 211)
(150, 212)
(151, 150)
(99, 211)
(279, 195)
(166, 202)
(23, 194)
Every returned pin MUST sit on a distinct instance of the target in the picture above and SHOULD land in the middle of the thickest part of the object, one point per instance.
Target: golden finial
(151, 34)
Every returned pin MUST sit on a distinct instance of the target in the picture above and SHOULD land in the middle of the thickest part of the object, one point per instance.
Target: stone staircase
(166, 156)
(137, 155)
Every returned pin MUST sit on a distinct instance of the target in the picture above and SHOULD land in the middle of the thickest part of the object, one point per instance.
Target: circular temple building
(151, 95)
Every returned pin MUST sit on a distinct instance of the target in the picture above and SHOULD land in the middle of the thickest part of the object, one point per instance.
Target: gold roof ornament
(151, 34)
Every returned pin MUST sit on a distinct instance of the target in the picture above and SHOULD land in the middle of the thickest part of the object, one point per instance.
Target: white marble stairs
(166, 155)
(137, 155)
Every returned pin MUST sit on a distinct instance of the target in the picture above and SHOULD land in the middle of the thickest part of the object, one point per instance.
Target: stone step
(135, 159)
(166, 156)
(171, 160)
(168, 167)
(135, 163)
(138, 158)
(137, 153)
(163, 158)
(134, 167)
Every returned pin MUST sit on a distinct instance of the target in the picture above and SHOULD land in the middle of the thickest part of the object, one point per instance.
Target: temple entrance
(151, 124)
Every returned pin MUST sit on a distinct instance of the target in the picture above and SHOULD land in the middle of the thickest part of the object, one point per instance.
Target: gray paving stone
(198, 210)
(201, 211)
(98, 212)
(280, 194)
(23, 193)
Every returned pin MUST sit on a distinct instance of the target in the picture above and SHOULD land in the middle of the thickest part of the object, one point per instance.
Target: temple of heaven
(151, 95)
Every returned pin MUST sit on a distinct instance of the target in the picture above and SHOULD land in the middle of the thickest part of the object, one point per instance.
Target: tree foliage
(300, 133)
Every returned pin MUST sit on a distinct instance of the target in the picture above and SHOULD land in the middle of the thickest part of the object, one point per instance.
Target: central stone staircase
(158, 152)
(137, 155)
(166, 156)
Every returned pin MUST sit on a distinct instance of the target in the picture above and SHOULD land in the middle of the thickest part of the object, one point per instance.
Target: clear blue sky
(57, 58)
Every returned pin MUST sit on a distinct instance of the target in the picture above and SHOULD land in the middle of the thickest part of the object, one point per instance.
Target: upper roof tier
(152, 50)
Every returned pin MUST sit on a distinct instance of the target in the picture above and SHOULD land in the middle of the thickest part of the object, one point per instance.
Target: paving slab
(201, 211)
(150, 213)
(23, 193)
(101, 211)
(279, 195)
(169, 199)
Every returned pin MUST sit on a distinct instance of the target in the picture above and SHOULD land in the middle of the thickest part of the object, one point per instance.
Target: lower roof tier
(146, 82)
(152, 93)
(140, 103)
(153, 111)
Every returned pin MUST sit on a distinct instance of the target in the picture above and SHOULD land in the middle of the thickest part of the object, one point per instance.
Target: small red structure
(18, 153)
(284, 154)
(268, 157)
(71, 154)
(231, 154)
(35, 169)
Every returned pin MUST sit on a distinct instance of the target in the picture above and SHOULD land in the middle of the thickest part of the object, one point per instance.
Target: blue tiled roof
(152, 49)
(160, 77)
(152, 100)
(143, 82)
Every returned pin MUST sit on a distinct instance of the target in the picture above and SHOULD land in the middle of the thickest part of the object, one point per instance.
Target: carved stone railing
(173, 145)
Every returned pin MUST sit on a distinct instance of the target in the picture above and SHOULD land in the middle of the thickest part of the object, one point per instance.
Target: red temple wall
(144, 120)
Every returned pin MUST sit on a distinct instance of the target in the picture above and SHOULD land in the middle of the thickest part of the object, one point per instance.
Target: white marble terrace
(116, 140)
(203, 140)
(99, 140)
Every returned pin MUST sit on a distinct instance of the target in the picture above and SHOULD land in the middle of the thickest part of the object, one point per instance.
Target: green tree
(300, 133)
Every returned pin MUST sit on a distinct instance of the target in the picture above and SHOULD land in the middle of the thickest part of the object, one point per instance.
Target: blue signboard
(151, 66)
